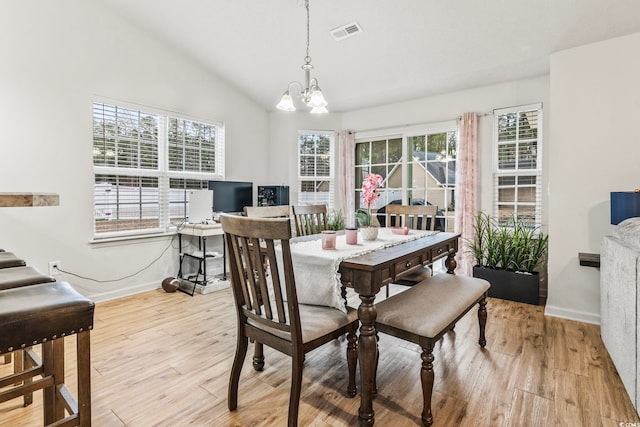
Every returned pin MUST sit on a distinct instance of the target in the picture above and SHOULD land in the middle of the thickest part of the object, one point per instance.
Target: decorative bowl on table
(400, 230)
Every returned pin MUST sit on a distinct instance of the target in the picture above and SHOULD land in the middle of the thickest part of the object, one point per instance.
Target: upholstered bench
(45, 314)
(425, 312)
(9, 259)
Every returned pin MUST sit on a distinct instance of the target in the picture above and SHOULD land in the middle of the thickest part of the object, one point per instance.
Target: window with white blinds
(316, 159)
(518, 163)
(145, 162)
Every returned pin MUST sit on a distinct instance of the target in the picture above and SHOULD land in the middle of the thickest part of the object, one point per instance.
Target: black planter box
(509, 285)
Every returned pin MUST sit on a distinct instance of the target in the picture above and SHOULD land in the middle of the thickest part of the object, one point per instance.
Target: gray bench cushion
(427, 308)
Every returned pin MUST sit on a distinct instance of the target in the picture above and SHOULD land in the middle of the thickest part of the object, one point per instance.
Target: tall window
(316, 159)
(518, 163)
(417, 165)
(144, 164)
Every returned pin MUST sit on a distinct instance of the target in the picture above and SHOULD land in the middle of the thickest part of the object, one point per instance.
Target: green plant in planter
(364, 217)
(335, 221)
(507, 253)
(512, 244)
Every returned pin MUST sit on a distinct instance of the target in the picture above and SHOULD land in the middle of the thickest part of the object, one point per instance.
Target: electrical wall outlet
(54, 268)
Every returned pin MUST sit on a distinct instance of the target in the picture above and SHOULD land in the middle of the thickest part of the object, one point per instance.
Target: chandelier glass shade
(309, 92)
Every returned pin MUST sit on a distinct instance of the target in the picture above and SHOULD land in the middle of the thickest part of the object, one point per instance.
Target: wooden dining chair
(415, 217)
(310, 219)
(425, 313)
(279, 321)
(282, 211)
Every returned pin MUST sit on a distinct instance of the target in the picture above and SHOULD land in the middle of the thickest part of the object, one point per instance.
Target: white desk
(201, 231)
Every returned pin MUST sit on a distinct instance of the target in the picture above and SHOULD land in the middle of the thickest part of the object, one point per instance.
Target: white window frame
(517, 172)
(161, 172)
(330, 177)
(405, 133)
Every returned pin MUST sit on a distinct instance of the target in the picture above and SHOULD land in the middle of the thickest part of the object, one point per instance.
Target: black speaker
(273, 195)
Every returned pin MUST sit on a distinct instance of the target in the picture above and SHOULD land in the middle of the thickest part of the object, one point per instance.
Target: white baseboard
(125, 292)
(580, 316)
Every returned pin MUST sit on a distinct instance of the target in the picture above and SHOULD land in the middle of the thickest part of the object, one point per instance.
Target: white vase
(369, 233)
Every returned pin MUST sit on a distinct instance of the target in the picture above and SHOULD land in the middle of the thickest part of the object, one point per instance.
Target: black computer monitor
(231, 196)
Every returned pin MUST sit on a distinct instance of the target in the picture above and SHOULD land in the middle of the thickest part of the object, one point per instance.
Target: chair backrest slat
(416, 217)
(310, 219)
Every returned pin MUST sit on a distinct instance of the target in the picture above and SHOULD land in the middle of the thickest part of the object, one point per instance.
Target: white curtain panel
(466, 183)
(346, 178)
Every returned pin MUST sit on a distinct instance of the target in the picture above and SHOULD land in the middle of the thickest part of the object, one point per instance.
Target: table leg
(367, 354)
(451, 263)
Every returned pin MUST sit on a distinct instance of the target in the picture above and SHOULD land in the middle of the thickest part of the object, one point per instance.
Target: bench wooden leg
(7, 358)
(482, 321)
(427, 379)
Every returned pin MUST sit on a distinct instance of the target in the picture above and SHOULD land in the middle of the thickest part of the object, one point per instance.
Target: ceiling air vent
(346, 31)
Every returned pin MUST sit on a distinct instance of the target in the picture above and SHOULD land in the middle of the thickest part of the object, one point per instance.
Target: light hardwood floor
(163, 359)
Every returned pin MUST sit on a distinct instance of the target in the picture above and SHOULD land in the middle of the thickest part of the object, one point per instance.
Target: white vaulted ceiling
(408, 48)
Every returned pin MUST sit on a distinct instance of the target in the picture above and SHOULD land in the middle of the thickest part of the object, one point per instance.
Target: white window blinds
(316, 159)
(518, 163)
(144, 164)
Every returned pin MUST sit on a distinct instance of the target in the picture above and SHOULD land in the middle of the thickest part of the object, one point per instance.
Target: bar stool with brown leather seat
(45, 314)
(14, 277)
(9, 259)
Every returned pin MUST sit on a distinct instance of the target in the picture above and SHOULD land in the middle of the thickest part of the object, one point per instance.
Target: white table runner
(316, 269)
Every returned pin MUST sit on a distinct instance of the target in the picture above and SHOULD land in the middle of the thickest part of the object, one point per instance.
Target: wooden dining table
(367, 274)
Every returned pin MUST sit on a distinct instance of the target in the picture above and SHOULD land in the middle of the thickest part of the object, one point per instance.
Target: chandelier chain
(307, 58)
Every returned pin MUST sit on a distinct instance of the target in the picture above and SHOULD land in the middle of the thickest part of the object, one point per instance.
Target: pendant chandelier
(310, 92)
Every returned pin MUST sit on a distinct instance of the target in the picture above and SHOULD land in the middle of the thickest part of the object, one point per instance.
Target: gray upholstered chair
(427, 311)
(278, 321)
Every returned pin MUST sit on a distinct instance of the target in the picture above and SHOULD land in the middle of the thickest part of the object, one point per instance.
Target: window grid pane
(518, 174)
(315, 168)
(125, 203)
(178, 198)
(191, 146)
(124, 138)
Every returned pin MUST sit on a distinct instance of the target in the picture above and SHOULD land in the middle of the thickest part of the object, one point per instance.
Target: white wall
(595, 149)
(56, 56)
